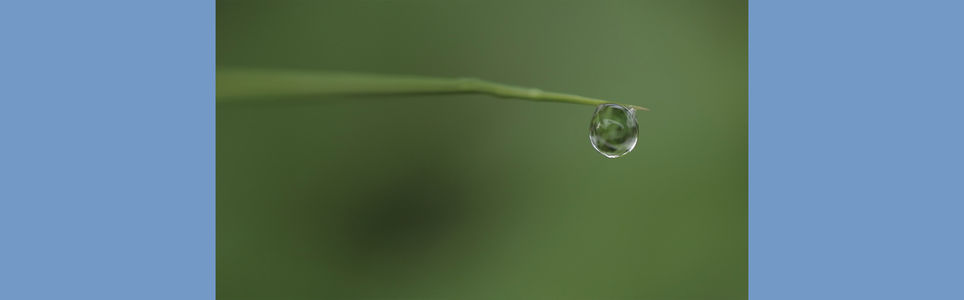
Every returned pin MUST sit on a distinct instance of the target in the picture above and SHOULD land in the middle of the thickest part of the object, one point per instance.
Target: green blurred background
(475, 197)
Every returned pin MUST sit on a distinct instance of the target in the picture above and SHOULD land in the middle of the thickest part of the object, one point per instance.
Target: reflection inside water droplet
(613, 130)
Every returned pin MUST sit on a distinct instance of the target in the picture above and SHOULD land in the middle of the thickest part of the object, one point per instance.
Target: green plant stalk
(238, 85)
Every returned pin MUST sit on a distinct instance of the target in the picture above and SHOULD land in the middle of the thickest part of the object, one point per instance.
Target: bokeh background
(475, 197)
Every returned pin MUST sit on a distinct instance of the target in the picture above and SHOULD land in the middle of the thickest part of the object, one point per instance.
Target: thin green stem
(234, 85)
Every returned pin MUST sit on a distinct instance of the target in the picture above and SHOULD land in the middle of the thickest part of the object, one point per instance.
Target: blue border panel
(856, 145)
(107, 150)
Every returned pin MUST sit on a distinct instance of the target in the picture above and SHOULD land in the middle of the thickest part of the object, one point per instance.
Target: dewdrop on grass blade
(613, 130)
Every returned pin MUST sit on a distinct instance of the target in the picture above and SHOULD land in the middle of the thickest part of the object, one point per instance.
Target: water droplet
(613, 130)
